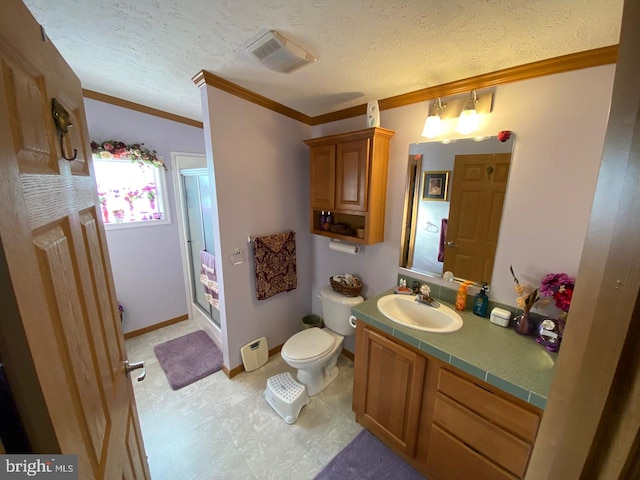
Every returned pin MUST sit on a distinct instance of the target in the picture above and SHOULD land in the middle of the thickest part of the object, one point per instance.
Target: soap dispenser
(461, 298)
(327, 222)
(481, 301)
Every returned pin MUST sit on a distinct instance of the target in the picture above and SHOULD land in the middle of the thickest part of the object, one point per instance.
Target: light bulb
(468, 121)
(432, 126)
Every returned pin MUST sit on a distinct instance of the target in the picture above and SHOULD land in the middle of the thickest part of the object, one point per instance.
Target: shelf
(337, 236)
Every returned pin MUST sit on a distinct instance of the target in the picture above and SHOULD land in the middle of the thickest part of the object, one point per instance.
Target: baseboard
(156, 326)
(348, 354)
(240, 368)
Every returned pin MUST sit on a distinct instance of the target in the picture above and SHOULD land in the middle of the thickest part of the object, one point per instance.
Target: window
(131, 193)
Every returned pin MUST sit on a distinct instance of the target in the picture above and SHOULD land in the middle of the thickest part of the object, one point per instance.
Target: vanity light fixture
(433, 124)
(468, 121)
(466, 109)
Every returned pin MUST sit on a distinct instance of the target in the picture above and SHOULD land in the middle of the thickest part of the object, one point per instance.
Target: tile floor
(221, 428)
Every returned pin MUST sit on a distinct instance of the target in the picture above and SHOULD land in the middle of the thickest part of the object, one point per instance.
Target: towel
(209, 279)
(275, 264)
(443, 239)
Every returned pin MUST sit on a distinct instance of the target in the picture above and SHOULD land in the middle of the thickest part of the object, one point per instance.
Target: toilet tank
(336, 310)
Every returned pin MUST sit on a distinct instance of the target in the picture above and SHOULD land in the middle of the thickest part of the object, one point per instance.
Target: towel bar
(251, 238)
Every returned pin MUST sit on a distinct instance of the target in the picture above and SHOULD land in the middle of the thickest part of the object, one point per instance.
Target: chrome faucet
(424, 297)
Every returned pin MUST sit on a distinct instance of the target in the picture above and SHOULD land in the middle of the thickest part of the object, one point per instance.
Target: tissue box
(500, 316)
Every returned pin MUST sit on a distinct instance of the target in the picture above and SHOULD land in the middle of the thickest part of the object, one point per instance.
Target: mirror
(453, 206)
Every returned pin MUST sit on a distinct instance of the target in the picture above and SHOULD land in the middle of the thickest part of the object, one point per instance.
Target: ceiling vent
(278, 53)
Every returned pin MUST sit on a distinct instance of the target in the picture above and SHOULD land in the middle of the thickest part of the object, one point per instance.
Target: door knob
(451, 244)
(130, 367)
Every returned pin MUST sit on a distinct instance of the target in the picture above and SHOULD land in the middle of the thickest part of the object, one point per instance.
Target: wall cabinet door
(388, 380)
(322, 177)
(348, 177)
(351, 175)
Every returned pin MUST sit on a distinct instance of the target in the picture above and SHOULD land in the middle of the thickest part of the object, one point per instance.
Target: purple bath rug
(365, 458)
(189, 358)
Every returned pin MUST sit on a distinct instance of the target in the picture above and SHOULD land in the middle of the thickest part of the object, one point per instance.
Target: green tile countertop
(494, 354)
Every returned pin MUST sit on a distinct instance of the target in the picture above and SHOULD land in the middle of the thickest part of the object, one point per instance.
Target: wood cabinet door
(322, 167)
(450, 459)
(352, 173)
(388, 380)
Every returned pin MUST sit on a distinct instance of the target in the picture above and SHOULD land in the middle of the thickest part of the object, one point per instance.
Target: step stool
(286, 396)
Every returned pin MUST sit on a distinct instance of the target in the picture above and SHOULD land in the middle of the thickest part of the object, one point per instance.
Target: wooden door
(322, 166)
(61, 345)
(388, 380)
(477, 197)
(352, 173)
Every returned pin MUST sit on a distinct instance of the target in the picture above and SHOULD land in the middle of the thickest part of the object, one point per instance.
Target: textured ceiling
(147, 51)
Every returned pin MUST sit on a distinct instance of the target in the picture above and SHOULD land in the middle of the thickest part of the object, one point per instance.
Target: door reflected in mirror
(453, 206)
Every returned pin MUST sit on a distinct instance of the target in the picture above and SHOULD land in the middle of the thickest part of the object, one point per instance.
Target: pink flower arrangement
(150, 191)
(131, 196)
(136, 152)
(560, 287)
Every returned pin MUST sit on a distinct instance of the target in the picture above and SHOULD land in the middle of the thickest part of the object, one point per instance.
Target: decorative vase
(152, 204)
(105, 214)
(524, 324)
(373, 114)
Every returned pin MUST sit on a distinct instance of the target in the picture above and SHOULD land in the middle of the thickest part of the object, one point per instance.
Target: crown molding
(565, 63)
(208, 78)
(101, 97)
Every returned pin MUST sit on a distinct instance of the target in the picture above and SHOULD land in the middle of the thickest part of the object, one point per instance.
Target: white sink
(404, 310)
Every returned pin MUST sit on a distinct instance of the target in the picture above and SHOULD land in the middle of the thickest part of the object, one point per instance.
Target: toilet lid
(308, 343)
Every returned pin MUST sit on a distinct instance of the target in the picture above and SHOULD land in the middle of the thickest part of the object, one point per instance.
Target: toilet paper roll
(344, 247)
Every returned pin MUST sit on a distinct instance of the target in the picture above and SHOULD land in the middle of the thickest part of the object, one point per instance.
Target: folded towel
(275, 264)
(209, 279)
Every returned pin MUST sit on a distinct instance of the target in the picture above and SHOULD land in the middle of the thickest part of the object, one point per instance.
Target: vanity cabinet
(388, 394)
(444, 422)
(348, 177)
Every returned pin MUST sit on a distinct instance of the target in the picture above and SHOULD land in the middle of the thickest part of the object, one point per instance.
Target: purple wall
(146, 261)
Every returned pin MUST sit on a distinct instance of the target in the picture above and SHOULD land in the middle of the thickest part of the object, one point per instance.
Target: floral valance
(135, 152)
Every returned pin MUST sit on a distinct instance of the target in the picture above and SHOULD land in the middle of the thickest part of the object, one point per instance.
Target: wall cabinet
(445, 423)
(348, 177)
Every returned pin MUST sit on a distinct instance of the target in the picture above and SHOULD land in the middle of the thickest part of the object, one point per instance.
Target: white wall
(146, 261)
(260, 168)
(560, 123)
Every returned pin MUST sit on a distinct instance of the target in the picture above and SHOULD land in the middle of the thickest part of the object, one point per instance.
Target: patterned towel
(443, 239)
(275, 264)
(209, 279)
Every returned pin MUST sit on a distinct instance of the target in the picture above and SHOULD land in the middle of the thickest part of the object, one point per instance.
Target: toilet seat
(308, 345)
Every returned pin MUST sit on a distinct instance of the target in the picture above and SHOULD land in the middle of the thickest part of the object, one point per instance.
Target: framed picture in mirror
(435, 185)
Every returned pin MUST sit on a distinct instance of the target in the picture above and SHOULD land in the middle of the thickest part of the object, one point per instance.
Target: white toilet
(314, 351)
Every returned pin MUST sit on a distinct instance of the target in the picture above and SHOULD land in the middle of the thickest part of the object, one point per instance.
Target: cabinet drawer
(481, 435)
(498, 410)
(449, 459)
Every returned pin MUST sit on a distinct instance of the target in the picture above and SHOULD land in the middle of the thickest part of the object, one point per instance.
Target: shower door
(199, 232)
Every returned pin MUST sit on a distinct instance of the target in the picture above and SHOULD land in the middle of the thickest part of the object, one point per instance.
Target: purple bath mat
(366, 457)
(189, 358)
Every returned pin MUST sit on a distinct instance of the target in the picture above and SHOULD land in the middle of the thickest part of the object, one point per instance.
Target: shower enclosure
(198, 227)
